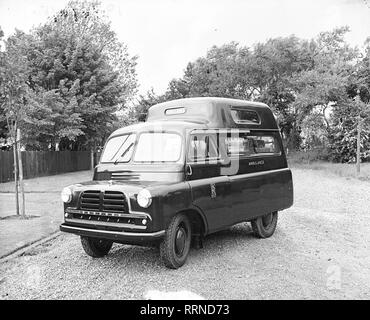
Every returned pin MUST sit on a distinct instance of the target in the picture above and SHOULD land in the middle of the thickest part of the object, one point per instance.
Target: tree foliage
(15, 93)
(311, 86)
(79, 75)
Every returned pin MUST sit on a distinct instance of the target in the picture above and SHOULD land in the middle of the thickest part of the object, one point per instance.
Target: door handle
(189, 170)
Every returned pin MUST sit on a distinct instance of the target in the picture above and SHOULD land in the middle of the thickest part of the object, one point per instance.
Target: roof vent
(173, 111)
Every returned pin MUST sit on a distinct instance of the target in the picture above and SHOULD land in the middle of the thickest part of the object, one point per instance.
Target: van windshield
(158, 147)
(119, 149)
(150, 147)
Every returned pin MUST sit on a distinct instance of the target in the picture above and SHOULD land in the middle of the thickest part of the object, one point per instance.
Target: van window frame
(116, 136)
(245, 122)
(252, 132)
(222, 154)
(180, 158)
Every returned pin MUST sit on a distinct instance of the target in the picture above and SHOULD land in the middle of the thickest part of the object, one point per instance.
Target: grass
(340, 169)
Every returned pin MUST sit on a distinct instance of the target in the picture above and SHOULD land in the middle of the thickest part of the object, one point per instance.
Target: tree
(262, 73)
(350, 130)
(81, 75)
(324, 86)
(138, 111)
(275, 64)
(3, 127)
(310, 85)
(222, 72)
(14, 98)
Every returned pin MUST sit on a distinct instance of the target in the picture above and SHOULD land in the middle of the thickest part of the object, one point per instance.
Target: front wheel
(96, 248)
(175, 246)
(264, 226)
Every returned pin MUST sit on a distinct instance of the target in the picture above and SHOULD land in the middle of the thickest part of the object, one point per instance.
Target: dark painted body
(213, 198)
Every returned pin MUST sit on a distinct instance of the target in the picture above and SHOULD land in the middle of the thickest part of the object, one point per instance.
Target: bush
(308, 156)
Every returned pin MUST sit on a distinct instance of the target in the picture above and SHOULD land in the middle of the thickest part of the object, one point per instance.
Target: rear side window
(251, 145)
(244, 116)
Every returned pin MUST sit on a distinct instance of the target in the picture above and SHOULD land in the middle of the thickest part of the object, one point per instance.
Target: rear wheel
(264, 226)
(96, 248)
(175, 246)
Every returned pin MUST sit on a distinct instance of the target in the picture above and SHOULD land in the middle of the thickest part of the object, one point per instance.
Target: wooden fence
(44, 163)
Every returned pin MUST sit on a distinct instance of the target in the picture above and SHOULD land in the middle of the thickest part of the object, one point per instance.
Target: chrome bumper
(119, 236)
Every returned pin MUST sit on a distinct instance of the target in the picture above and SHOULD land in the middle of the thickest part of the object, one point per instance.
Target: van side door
(210, 191)
(261, 184)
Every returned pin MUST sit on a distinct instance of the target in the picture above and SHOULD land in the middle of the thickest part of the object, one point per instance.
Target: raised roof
(215, 113)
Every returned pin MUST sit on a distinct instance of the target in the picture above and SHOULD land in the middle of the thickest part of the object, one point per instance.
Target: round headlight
(144, 198)
(66, 195)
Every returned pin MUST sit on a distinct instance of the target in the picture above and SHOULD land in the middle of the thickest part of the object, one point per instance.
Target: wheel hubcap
(180, 241)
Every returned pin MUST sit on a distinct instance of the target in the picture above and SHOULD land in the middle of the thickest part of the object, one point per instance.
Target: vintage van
(196, 166)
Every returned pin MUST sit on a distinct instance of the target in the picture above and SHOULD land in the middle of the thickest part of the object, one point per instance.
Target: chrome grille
(114, 201)
(90, 200)
(104, 201)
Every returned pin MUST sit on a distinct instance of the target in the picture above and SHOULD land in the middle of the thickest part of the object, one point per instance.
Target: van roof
(215, 113)
(202, 113)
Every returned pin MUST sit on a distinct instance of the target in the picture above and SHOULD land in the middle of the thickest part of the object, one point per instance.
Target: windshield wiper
(124, 153)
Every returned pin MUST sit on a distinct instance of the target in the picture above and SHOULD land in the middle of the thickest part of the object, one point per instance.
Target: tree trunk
(15, 149)
(20, 167)
(92, 150)
(92, 158)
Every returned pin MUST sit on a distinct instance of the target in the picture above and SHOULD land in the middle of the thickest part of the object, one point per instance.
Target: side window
(250, 145)
(203, 147)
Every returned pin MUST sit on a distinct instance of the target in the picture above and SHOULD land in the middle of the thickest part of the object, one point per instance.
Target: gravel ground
(320, 250)
(42, 203)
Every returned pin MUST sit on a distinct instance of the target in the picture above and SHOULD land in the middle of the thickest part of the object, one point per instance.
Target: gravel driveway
(320, 251)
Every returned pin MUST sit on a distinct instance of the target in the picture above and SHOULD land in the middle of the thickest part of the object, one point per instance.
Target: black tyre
(96, 248)
(175, 246)
(264, 226)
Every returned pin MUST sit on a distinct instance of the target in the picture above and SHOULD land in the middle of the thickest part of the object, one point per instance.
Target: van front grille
(114, 201)
(90, 200)
(104, 201)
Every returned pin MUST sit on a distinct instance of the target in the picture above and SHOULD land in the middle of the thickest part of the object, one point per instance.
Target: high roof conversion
(216, 113)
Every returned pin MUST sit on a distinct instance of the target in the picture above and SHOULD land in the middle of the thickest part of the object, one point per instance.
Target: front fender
(168, 200)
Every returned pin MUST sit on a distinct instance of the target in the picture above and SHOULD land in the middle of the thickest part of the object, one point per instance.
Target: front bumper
(117, 236)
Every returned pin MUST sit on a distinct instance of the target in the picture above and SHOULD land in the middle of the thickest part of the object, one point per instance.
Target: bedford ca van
(194, 167)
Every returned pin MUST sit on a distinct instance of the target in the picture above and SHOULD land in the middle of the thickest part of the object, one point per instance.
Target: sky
(167, 34)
